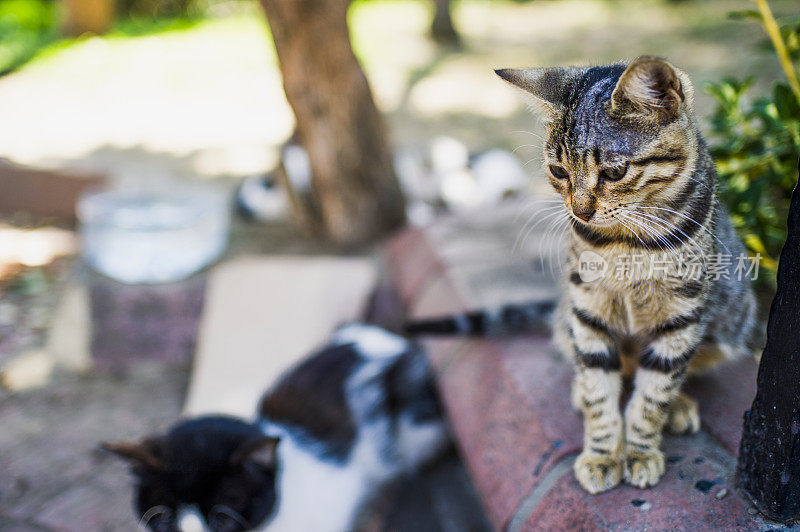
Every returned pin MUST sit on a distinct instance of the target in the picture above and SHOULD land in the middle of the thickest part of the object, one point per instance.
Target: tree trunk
(353, 182)
(87, 16)
(769, 456)
(442, 29)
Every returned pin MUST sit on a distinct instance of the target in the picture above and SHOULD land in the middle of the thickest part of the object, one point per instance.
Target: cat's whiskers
(525, 232)
(669, 226)
(634, 233)
(699, 248)
(529, 161)
(533, 220)
(559, 227)
(529, 133)
(689, 218)
(688, 175)
(533, 203)
(549, 238)
(554, 220)
(537, 146)
(659, 227)
(650, 231)
(646, 230)
(699, 183)
(151, 513)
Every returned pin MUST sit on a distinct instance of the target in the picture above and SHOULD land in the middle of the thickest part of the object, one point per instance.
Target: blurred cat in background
(357, 414)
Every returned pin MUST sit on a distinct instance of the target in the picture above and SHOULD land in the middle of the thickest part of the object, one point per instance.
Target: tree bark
(769, 457)
(353, 182)
(87, 16)
(442, 29)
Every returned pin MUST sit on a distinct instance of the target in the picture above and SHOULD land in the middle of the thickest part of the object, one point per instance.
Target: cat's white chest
(315, 495)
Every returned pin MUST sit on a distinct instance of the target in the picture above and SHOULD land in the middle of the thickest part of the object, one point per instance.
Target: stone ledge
(508, 400)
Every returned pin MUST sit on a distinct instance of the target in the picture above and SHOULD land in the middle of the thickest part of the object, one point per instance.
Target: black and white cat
(360, 412)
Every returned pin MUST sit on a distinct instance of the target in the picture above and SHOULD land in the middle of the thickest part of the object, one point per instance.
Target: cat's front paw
(684, 416)
(644, 468)
(598, 472)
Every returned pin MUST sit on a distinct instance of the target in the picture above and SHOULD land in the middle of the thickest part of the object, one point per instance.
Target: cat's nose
(585, 213)
(584, 204)
(190, 520)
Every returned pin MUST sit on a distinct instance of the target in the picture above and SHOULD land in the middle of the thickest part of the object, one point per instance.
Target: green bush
(25, 27)
(756, 145)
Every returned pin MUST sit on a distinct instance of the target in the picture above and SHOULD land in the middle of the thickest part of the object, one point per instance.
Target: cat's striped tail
(507, 320)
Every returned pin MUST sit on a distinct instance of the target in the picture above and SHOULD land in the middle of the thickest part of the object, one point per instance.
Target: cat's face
(618, 136)
(219, 472)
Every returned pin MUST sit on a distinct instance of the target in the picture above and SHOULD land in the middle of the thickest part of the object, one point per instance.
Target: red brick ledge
(508, 403)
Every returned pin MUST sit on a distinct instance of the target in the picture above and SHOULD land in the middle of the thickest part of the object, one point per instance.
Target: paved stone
(499, 416)
(675, 504)
(725, 394)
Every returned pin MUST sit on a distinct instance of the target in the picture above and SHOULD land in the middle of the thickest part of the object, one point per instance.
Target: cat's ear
(545, 87)
(144, 453)
(262, 452)
(651, 88)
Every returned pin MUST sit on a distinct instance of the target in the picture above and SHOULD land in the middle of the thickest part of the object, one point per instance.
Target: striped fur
(506, 320)
(624, 152)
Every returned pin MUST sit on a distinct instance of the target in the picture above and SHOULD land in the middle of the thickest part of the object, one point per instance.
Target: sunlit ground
(207, 100)
(203, 99)
(34, 247)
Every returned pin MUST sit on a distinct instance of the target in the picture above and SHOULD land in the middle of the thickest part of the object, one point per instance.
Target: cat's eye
(559, 172)
(614, 173)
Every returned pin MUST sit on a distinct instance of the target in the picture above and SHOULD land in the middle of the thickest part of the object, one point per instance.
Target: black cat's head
(218, 468)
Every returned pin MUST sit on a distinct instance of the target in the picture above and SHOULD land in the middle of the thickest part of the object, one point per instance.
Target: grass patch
(29, 30)
(26, 26)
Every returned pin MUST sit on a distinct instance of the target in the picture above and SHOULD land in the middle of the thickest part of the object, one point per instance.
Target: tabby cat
(624, 151)
(355, 415)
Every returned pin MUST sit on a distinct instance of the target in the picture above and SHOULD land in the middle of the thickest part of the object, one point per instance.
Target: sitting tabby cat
(358, 413)
(624, 152)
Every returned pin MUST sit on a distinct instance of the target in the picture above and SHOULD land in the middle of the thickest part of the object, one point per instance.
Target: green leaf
(744, 14)
(754, 242)
(786, 102)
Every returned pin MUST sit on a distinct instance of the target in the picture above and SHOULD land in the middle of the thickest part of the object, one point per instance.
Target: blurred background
(142, 141)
